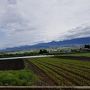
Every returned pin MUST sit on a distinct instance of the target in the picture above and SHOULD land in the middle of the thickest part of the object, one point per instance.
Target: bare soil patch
(17, 64)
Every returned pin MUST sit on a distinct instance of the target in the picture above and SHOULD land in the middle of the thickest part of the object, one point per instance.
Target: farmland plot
(13, 73)
(48, 71)
(84, 54)
(63, 72)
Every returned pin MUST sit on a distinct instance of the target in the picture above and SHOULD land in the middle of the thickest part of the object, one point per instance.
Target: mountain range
(71, 42)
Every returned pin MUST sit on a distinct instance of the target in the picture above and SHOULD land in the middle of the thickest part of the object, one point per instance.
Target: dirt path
(82, 58)
(45, 79)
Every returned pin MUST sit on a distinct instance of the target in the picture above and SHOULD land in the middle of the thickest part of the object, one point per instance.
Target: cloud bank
(27, 22)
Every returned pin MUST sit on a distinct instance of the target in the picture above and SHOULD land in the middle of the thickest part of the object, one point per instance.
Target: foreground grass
(65, 72)
(17, 78)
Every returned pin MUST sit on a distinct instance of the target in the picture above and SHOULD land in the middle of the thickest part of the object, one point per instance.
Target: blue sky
(27, 22)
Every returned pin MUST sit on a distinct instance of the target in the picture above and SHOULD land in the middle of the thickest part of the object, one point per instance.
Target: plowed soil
(17, 64)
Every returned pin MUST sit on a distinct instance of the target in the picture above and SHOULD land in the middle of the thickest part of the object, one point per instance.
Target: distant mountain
(77, 41)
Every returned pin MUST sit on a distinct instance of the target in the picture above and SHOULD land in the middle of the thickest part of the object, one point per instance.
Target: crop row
(62, 73)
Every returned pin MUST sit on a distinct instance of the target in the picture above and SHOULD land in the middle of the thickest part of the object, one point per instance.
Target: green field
(80, 54)
(65, 72)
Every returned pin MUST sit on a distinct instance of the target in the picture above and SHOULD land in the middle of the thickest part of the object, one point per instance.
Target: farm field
(49, 71)
(62, 72)
(80, 54)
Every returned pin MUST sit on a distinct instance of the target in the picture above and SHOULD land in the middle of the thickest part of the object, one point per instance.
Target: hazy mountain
(77, 41)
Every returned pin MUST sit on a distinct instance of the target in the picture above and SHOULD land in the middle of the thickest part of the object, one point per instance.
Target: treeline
(18, 54)
(85, 48)
(40, 52)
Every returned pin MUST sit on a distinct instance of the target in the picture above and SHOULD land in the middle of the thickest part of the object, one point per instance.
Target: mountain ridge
(71, 42)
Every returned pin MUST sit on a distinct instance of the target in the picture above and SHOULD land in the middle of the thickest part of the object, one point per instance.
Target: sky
(28, 22)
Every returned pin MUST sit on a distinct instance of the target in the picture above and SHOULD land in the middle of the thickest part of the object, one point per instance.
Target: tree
(43, 51)
(87, 46)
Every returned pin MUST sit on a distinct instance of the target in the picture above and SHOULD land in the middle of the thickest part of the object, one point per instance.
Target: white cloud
(34, 21)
